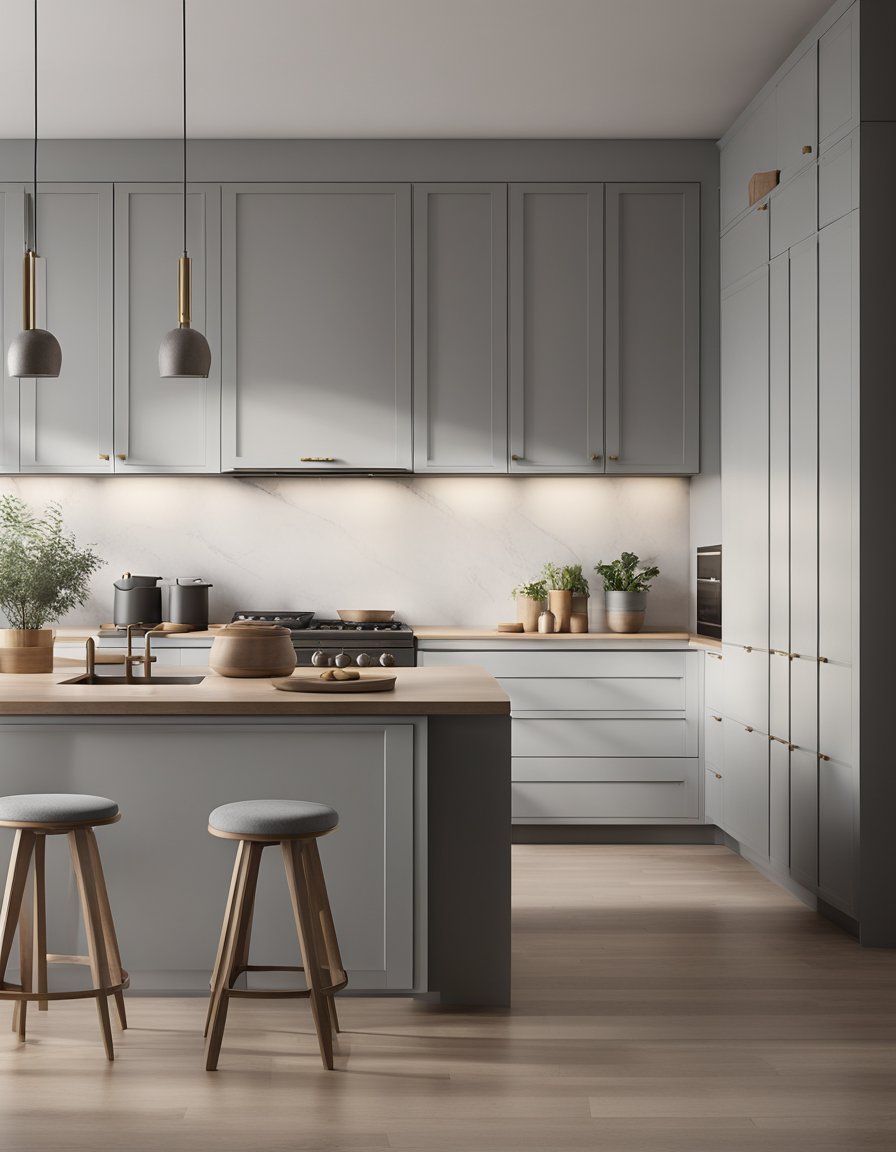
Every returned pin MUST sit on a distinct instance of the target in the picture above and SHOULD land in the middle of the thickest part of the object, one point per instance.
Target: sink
(84, 678)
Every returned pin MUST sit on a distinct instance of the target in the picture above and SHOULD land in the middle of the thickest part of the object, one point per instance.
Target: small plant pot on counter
(26, 650)
(527, 612)
(625, 611)
(560, 603)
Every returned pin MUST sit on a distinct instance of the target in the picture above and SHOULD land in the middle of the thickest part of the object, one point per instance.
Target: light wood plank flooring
(665, 998)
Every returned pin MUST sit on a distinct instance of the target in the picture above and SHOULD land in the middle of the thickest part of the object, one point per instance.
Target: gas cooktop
(307, 622)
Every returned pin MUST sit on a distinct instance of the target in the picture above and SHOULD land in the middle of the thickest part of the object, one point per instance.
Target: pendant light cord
(34, 196)
(184, 10)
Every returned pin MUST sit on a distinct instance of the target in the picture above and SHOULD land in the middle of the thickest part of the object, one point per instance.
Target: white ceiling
(402, 68)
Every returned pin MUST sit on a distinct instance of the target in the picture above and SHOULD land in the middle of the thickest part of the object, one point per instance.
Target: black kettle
(188, 603)
(138, 600)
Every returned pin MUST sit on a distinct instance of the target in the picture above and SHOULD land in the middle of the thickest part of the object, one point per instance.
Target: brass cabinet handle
(595, 456)
(718, 719)
(748, 647)
(821, 756)
(822, 659)
(513, 456)
(795, 656)
(612, 457)
(104, 455)
(807, 149)
(714, 655)
(780, 740)
(762, 208)
(318, 459)
(121, 456)
(747, 728)
(718, 775)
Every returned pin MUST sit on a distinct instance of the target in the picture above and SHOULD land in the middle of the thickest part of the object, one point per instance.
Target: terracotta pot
(561, 606)
(625, 611)
(527, 612)
(26, 650)
(248, 650)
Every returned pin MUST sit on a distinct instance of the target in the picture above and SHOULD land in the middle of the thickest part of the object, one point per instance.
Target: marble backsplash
(438, 550)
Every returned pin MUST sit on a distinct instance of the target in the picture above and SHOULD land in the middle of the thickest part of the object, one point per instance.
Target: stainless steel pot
(138, 600)
(188, 603)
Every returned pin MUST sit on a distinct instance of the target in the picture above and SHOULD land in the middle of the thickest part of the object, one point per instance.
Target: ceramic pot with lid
(188, 603)
(138, 600)
(247, 649)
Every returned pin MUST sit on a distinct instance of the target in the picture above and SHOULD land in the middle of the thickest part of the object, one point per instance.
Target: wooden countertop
(440, 632)
(460, 691)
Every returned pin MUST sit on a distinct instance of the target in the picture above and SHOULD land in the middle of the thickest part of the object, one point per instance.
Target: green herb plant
(43, 574)
(570, 578)
(622, 575)
(535, 590)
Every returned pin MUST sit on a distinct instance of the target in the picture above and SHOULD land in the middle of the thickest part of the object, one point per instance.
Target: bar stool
(295, 825)
(35, 817)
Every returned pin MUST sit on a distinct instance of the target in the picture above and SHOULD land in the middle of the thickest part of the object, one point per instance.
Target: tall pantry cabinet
(789, 381)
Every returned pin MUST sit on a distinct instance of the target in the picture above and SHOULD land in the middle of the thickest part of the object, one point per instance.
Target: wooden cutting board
(311, 682)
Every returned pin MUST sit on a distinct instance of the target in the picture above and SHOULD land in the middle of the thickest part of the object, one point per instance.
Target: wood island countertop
(458, 691)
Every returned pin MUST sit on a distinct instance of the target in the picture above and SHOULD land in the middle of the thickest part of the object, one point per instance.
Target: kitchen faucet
(147, 659)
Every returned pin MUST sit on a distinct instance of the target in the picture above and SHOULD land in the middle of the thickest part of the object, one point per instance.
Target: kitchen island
(418, 870)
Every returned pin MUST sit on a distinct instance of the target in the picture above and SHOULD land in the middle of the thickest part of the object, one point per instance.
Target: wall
(439, 550)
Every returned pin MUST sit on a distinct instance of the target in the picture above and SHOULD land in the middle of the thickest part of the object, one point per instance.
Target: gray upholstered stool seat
(273, 819)
(56, 808)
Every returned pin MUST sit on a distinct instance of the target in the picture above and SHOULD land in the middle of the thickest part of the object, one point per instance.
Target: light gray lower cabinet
(745, 795)
(12, 234)
(745, 446)
(316, 310)
(598, 736)
(66, 423)
(804, 817)
(556, 279)
(161, 425)
(460, 328)
(652, 328)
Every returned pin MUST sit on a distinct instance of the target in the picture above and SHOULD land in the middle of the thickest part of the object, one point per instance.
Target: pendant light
(184, 351)
(34, 352)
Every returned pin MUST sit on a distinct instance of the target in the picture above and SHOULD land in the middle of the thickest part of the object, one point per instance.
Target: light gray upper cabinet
(745, 542)
(838, 79)
(460, 328)
(652, 328)
(316, 308)
(779, 462)
(165, 425)
(796, 100)
(556, 328)
(66, 423)
(751, 149)
(12, 247)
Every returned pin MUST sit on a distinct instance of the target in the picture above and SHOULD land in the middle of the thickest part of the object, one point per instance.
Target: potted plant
(625, 589)
(43, 575)
(563, 584)
(530, 599)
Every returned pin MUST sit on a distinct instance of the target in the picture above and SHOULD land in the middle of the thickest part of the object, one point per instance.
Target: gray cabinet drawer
(608, 800)
(607, 694)
(506, 664)
(712, 735)
(794, 211)
(602, 738)
(745, 247)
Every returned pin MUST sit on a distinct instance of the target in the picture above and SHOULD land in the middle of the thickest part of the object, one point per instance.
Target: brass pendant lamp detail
(34, 353)
(184, 351)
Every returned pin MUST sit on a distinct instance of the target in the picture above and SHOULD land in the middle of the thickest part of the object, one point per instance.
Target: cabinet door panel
(838, 838)
(836, 721)
(751, 149)
(779, 805)
(596, 695)
(779, 455)
(66, 423)
(12, 231)
(712, 729)
(556, 328)
(794, 212)
(804, 448)
(623, 801)
(804, 703)
(796, 97)
(316, 370)
(838, 180)
(779, 695)
(712, 797)
(746, 685)
(168, 425)
(804, 817)
(713, 672)
(745, 460)
(745, 247)
(745, 793)
(838, 79)
(653, 328)
(838, 349)
(603, 738)
(460, 328)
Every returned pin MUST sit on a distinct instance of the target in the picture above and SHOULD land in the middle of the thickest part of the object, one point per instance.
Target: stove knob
(387, 660)
(343, 660)
(362, 660)
(319, 659)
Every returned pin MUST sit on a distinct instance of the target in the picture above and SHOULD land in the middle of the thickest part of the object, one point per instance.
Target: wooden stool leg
(237, 923)
(296, 878)
(26, 966)
(108, 925)
(40, 918)
(239, 864)
(324, 917)
(16, 880)
(96, 944)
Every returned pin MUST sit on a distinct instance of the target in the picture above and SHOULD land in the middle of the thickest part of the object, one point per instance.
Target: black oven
(709, 591)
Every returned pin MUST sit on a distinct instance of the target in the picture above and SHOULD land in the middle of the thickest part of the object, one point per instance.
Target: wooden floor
(665, 998)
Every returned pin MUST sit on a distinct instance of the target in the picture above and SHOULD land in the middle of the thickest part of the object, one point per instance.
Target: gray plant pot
(625, 611)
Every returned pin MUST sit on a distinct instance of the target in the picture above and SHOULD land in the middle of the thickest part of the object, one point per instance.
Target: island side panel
(469, 859)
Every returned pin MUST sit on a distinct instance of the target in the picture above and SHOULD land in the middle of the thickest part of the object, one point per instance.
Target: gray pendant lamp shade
(34, 352)
(184, 351)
